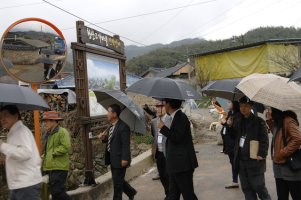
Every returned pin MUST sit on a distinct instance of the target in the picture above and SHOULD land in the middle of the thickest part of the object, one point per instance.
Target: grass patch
(146, 138)
(204, 102)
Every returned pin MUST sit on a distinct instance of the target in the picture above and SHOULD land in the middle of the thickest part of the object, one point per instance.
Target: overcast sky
(178, 19)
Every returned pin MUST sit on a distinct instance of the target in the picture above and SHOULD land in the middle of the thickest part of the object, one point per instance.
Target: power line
(241, 18)
(22, 5)
(167, 22)
(92, 23)
(149, 13)
(216, 17)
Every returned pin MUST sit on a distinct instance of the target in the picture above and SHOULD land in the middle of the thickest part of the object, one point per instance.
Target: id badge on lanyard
(224, 131)
(160, 138)
(242, 141)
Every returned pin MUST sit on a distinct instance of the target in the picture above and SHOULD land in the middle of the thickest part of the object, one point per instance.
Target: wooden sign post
(105, 46)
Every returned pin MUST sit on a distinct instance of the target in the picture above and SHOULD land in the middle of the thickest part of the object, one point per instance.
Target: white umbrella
(272, 90)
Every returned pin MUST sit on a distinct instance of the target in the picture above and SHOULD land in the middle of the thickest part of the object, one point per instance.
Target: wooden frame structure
(103, 45)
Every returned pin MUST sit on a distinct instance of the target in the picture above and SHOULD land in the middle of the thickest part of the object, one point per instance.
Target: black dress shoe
(157, 177)
(132, 197)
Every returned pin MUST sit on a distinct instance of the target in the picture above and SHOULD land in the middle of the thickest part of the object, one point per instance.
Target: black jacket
(120, 145)
(230, 136)
(255, 129)
(180, 153)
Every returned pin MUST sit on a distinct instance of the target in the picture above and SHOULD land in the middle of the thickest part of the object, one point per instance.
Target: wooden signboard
(83, 54)
(89, 35)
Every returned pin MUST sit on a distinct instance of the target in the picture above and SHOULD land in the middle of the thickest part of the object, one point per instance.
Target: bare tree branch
(287, 58)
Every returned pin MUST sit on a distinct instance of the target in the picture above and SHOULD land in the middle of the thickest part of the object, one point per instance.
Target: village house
(183, 71)
(151, 72)
(278, 56)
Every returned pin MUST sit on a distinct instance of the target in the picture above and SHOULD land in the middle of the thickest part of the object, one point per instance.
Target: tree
(201, 78)
(285, 57)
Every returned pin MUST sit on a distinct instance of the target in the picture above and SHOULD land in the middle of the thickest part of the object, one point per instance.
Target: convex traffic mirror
(33, 50)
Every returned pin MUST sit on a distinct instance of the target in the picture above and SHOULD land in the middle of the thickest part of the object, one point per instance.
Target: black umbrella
(296, 75)
(24, 98)
(224, 89)
(258, 107)
(164, 88)
(131, 114)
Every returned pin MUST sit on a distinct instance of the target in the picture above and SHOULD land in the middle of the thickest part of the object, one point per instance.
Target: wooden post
(86, 35)
(36, 120)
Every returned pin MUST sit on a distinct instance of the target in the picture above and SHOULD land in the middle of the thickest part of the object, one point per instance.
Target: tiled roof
(171, 70)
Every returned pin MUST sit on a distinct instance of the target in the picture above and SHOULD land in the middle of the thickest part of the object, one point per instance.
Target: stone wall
(21, 57)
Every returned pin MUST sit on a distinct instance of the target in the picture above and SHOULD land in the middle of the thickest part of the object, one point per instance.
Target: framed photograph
(103, 72)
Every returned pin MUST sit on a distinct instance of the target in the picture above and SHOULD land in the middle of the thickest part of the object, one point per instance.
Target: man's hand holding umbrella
(102, 135)
(160, 123)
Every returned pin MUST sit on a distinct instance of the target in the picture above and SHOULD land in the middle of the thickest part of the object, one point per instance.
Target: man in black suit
(49, 72)
(180, 154)
(118, 153)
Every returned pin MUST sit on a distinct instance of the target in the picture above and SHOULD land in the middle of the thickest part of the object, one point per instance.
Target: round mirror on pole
(33, 50)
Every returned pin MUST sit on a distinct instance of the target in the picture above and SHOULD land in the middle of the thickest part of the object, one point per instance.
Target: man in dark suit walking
(180, 154)
(118, 153)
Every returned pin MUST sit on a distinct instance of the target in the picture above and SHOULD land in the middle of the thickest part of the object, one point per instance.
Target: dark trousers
(57, 180)
(161, 166)
(120, 185)
(223, 138)
(234, 170)
(284, 188)
(252, 185)
(181, 183)
(28, 193)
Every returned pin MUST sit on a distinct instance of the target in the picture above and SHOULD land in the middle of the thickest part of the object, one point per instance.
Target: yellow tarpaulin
(243, 62)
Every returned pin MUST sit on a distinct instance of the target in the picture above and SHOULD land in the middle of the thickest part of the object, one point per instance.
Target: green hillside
(168, 56)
